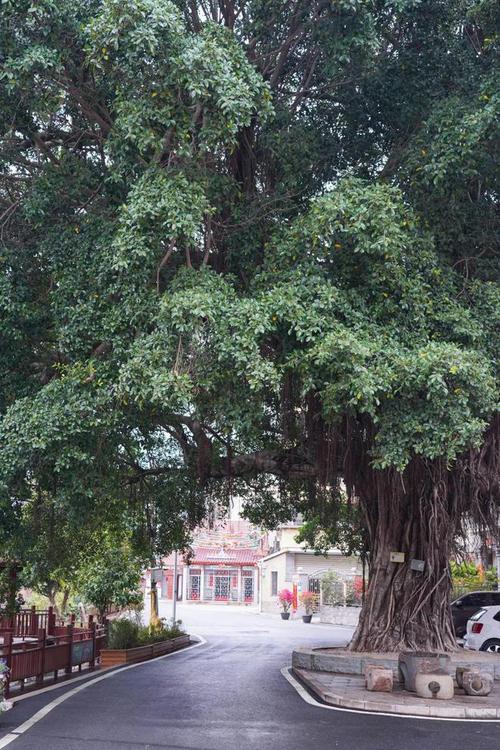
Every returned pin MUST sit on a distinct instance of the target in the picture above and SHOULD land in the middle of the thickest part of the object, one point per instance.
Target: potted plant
(128, 642)
(285, 599)
(4, 673)
(307, 599)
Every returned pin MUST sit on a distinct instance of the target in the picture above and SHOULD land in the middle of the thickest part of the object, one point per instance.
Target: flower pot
(110, 657)
(285, 615)
(306, 618)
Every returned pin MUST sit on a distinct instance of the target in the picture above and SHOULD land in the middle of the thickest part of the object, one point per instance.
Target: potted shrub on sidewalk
(285, 599)
(307, 599)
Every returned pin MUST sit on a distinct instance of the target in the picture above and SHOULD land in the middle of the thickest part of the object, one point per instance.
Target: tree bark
(51, 595)
(65, 599)
(407, 609)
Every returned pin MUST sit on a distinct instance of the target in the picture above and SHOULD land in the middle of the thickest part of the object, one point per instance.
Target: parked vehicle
(466, 605)
(483, 630)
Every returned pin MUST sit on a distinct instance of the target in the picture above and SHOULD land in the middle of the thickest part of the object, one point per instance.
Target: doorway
(222, 587)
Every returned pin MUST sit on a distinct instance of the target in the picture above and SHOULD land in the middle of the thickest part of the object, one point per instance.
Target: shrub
(469, 576)
(332, 589)
(128, 634)
(340, 592)
(308, 599)
(123, 634)
(157, 633)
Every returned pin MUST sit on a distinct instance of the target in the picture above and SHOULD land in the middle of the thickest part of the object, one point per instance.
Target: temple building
(223, 567)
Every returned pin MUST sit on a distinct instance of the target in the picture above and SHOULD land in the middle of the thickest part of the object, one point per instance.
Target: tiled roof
(217, 555)
(221, 556)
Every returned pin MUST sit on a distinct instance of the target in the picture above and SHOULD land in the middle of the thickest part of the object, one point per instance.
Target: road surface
(227, 694)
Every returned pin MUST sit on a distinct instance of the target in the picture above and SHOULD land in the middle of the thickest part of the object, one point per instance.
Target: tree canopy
(252, 247)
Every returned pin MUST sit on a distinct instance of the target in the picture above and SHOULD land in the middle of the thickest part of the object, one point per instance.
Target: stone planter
(111, 657)
(339, 615)
(306, 618)
(285, 615)
(412, 663)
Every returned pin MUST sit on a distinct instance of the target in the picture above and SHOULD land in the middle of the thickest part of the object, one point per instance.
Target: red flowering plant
(285, 599)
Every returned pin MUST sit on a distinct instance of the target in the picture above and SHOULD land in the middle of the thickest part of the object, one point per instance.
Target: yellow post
(154, 620)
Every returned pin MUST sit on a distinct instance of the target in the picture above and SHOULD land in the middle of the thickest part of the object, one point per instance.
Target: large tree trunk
(404, 608)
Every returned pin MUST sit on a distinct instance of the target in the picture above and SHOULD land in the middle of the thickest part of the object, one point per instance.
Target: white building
(288, 562)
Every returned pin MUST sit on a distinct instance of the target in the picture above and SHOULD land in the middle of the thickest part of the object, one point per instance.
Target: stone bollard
(477, 683)
(413, 663)
(438, 686)
(379, 679)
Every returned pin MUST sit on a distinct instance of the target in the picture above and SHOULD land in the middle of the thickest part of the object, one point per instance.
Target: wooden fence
(47, 653)
(27, 622)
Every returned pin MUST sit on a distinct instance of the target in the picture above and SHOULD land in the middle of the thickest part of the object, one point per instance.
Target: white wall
(286, 564)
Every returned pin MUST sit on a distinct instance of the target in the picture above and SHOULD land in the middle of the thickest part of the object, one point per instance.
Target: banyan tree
(252, 247)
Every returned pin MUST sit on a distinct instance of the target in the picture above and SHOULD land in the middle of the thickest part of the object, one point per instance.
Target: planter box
(110, 657)
(339, 615)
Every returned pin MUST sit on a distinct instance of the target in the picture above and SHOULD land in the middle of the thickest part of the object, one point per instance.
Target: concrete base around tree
(342, 661)
(348, 691)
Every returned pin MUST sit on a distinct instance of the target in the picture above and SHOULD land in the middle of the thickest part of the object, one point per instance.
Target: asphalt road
(227, 694)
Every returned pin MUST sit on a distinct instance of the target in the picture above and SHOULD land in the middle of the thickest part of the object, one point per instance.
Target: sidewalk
(348, 691)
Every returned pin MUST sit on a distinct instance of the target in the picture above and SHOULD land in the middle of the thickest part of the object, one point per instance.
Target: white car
(483, 630)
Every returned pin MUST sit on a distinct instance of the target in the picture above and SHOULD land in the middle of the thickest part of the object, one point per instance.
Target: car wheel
(492, 646)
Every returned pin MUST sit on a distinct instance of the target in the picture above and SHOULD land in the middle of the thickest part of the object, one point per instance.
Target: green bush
(156, 634)
(332, 589)
(123, 634)
(128, 634)
(340, 592)
(469, 576)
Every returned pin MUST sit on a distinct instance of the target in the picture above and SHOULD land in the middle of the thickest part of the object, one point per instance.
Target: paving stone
(411, 709)
(352, 703)
(480, 713)
(448, 712)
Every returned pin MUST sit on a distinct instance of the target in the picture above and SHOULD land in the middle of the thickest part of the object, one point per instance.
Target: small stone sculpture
(477, 683)
(379, 679)
(438, 685)
(459, 675)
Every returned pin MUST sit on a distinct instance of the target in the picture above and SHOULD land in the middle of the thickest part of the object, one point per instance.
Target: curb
(399, 709)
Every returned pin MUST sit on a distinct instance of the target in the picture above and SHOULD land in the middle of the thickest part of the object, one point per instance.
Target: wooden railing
(67, 647)
(27, 622)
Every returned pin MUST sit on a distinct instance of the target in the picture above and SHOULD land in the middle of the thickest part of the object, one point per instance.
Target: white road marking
(22, 728)
(58, 685)
(307, 697)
